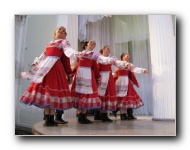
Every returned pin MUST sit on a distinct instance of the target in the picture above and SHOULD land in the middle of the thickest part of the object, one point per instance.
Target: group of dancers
(93, 84)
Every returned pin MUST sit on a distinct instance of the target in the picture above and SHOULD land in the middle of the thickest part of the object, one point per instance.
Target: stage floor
(142, 126)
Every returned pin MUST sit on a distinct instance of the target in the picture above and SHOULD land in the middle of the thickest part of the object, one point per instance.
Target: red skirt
(109, 100)
(131, 100)
(53, 91)
(86, 101)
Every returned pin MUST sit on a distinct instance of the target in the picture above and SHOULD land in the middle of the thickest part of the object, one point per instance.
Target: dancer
(90, 111)
(127, 96)
(133, 79)
(49, 87)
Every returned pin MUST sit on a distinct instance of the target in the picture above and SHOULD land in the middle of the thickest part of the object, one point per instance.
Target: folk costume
(49, 86)
(126, 94)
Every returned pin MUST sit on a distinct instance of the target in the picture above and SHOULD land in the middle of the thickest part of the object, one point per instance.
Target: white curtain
(127, 34)
(163, 61)
(83, 20)
(73, 30)
(20, 33)
(20, 37)
(100, 31)
(71, 24)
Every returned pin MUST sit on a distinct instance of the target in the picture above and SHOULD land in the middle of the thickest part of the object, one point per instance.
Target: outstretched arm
(37, 60)
(109, 60)
(137, 69)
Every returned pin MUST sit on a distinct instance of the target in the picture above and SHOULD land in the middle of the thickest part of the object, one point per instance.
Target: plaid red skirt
(53, 91)
(131, 100)
(85, 101)
(109, 100)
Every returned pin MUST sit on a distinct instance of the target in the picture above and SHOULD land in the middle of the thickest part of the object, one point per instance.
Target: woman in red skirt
(49, 79)
(126, 94)
(107, 88)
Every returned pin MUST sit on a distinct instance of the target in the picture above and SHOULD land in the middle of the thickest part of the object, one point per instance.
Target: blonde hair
(54, 34)
(89, 42)
(101, 51)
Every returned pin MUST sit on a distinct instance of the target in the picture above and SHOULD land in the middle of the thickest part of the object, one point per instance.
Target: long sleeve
(37, 60)
(66, 64)
(70, 53)
(118, 63)
(109, 60)
(65, 43)
(101, 59)
(136, 69)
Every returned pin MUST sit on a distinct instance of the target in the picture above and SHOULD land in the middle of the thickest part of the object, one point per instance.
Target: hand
(145, 71)
(67, 42)
(78, 57)
(33, 65)
(138, 86)
(114, 74)
(129, 65)
(112, 61)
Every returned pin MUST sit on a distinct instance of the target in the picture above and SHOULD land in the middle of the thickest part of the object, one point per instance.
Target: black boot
(52, 122)
(86, 119)
(108, 119)
(81, 119)
(58, 117)
(105, 118)
(123, 117)
(97, 115)
(47, 121)
(115, 112)
(44, 118)
(130, 114)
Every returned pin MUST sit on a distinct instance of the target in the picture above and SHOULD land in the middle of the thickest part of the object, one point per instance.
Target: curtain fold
(20, 37)
(163, 61)
(72, 29)
(20, 33)
(83, 20)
